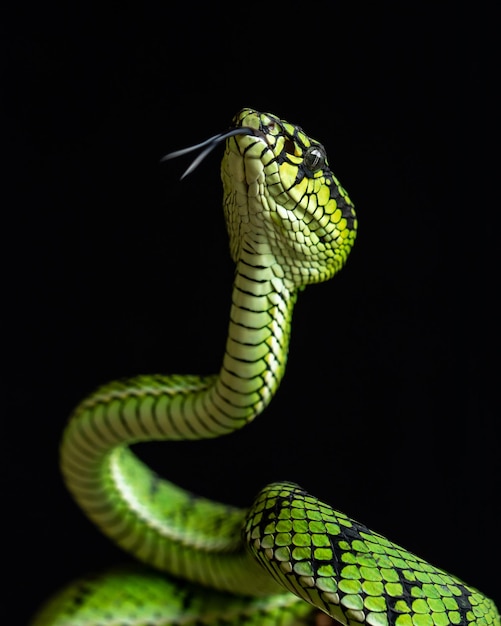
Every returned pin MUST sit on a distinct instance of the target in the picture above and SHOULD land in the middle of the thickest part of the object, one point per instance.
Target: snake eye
(314, 158)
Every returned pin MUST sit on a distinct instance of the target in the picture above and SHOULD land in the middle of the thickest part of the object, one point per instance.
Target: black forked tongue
(207, 146)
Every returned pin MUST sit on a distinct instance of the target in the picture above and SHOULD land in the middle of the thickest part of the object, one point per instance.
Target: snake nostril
(289, 146)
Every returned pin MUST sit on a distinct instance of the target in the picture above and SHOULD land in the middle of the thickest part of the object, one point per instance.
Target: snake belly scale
(290, 556)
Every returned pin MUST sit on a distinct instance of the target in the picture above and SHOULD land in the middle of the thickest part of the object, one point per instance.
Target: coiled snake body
(290, 223)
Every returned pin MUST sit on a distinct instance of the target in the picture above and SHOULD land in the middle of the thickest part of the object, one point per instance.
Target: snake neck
(256, 347)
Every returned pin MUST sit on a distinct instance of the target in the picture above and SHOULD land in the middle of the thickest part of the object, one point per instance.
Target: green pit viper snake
(290, 223)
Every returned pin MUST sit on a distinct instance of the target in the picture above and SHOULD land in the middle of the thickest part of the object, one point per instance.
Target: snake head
(282, 200)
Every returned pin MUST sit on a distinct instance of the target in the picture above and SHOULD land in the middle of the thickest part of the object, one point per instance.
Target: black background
(113, 267)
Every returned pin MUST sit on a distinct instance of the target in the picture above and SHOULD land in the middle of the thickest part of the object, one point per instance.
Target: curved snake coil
(290, 223)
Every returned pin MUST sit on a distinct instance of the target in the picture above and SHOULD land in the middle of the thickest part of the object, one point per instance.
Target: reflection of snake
(290, 223)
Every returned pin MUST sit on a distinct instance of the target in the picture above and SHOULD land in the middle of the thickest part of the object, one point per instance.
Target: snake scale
(290, 559)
